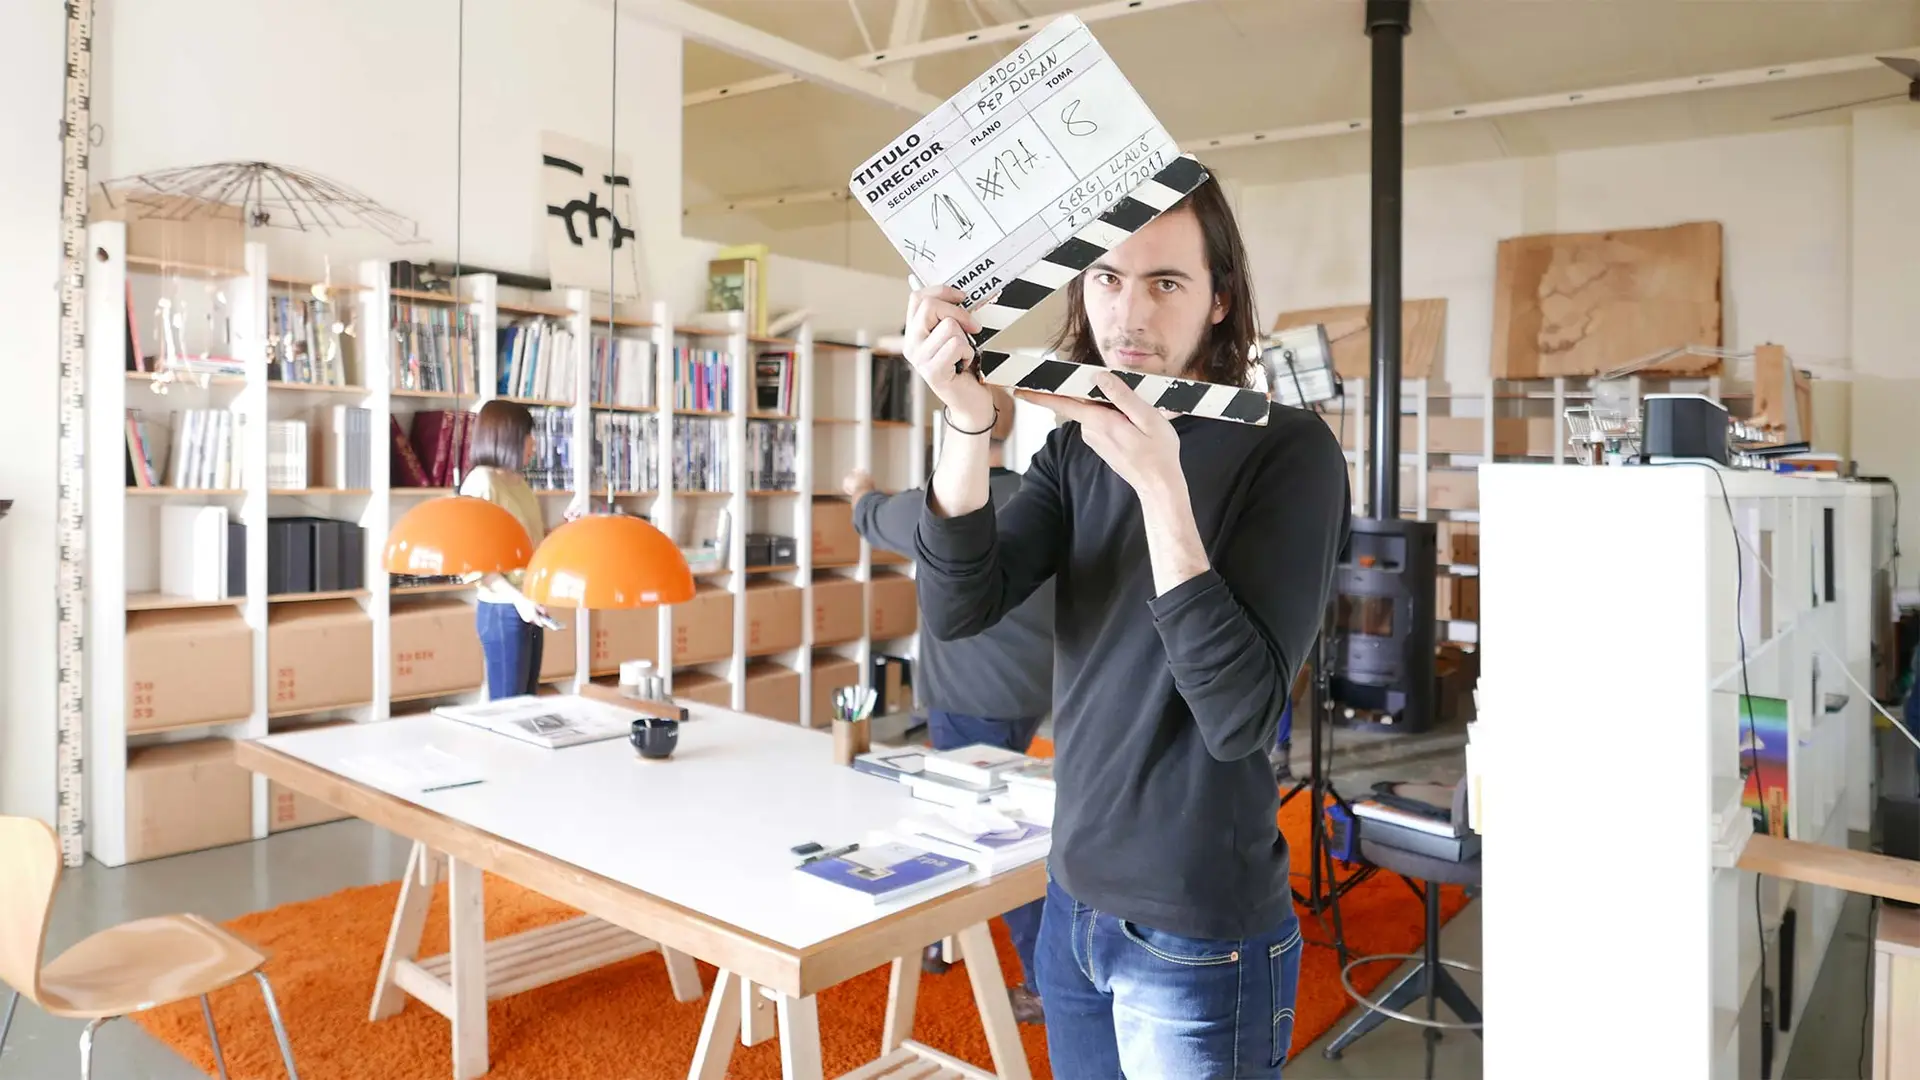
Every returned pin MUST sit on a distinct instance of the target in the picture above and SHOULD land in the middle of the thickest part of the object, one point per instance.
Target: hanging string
(613, 205)
(459, 167)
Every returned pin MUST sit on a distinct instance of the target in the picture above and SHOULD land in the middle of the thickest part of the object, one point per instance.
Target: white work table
(690, 856)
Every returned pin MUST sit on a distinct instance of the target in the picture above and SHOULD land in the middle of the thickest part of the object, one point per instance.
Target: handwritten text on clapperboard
(1014, 164)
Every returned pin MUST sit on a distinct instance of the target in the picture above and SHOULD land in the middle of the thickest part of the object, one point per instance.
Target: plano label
(1013, 166)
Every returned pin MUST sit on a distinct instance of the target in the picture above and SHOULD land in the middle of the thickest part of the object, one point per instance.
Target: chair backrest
(30, 865)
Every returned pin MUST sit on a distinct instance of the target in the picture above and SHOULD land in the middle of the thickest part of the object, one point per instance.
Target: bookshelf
(250, 655)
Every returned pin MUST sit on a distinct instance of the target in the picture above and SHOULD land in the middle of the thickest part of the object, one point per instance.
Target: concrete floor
(227, 882)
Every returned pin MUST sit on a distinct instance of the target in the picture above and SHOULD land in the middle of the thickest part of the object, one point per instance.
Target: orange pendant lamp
(457, 534)
(608, 561)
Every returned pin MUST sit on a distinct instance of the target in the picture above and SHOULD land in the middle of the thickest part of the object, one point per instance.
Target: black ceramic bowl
(655, 737)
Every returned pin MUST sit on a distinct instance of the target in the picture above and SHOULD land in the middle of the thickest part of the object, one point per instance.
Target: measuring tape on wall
(76, 126)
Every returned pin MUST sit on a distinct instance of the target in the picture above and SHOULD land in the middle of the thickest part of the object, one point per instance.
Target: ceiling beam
(1487, 110)
(1479, 111)
(1019, 29)
(798, 64)
(909, 24)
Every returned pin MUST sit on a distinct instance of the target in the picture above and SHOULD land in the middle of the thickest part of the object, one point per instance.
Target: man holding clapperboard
(1189, 526)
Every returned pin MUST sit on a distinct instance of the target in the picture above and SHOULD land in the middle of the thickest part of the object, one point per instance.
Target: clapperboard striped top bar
(1022, 180)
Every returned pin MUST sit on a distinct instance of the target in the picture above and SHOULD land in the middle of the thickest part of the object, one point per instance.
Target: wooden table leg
(990, 997)
(409, 920)
(683, 974)
(800, 1039)
(903, 995)
(467, 946)
(718, 1030)
(756, 1015)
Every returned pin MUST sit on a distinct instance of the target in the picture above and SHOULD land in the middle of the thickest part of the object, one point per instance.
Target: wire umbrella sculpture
(268, 195)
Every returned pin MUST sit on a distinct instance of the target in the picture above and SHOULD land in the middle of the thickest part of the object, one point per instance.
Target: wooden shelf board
(703, 494)
(332, 594)
(155, 265)
(548, 403)
(893, 423)
(184, 378)
(314, 388)
(421, 491)
(184, 491)
(399, 698)
(436, 394)
(703, 412)
(428, 590)
(770, 493)
(293, 492)
(158, 601)
(533, 309)
(281, 281)
(771, 416)
(602, 406)
(309, 710)
(164, 729)
(418, 294)
(780, 568)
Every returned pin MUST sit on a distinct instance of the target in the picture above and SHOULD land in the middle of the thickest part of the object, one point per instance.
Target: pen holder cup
(851, 738)
(655, 737)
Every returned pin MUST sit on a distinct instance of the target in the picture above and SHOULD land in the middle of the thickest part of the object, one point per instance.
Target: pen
(455, 784)
(831, 853)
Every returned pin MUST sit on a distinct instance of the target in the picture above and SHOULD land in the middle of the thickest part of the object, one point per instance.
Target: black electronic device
(1687, 427)
(1900, 832)
(1384, 630)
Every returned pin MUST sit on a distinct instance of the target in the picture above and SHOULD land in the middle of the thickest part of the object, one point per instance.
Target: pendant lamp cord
(613, 201)
(459, 167)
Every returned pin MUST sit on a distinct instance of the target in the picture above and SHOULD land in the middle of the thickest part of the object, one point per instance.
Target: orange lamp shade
(457, 534)
(608, 561)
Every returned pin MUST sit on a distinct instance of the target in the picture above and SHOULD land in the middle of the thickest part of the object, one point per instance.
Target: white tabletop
(709, 829)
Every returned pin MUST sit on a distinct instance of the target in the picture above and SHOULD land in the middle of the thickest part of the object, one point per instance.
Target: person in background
(993, 688)
(510, 625)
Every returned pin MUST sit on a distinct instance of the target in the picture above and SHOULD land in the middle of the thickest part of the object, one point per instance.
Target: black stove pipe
(1388, 23)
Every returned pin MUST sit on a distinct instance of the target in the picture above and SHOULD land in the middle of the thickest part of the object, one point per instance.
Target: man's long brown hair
(1226, 353)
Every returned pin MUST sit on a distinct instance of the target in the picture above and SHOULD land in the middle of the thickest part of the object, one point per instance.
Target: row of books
(702, 379)
(550, 466)
(700, 453)
(307, 342)
(893, 381)
(621, 372)
(439, 444)
(436, 348)
(192, 448)
(535, 359)
(625, 454)
(773, 455)
(775, 383)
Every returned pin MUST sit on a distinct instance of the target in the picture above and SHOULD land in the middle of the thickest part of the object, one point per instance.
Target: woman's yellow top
(508, 490)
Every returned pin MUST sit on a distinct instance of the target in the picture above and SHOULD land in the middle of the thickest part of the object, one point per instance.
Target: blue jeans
(948, 731)
(512, 648)
(1127, 1000)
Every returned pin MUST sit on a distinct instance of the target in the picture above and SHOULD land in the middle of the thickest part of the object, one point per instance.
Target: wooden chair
(124, 969)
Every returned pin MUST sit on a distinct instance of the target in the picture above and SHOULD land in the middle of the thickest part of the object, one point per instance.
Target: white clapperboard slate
(1020, 181)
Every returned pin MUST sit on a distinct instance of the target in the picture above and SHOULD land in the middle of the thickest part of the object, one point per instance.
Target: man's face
(1150, 300)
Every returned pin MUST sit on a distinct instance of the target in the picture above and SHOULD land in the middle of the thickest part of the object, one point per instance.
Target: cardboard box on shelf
(186, 796)
(837, 610)
(774, 617)
(619, 635)
(319, 655)
(773, 691)
(704, 688)
(289, 809)
(830, 672)
(1457, 597)
(558, 653)
(1459, 543)
(834, 538)
(703, 627)
(436, 648)
(188, 666)
(895, 606)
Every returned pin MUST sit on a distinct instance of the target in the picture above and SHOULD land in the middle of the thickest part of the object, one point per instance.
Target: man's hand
(939, 350)
(1135, 439)
(856, 483)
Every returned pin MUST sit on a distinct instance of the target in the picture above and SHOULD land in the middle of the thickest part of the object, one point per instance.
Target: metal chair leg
(86, 1046)
(219, 1059)
(279, 1028)
(8, 1021)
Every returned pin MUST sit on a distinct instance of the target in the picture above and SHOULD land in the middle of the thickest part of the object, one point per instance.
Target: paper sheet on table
(1014, 164)
(415, 770)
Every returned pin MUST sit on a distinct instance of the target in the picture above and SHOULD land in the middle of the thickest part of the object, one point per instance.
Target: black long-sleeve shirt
(1163, 706)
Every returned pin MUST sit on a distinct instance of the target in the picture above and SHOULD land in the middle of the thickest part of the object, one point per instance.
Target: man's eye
(1167, 284)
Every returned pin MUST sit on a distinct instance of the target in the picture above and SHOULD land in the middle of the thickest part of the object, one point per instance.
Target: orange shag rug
(622, 1021)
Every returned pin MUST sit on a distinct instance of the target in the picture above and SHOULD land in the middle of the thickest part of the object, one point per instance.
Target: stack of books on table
(990, 839)
(882, 872)
(965, 776)
(1419, 818)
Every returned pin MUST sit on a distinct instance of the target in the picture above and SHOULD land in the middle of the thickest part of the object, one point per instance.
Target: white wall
(1781, 197)
(32, 55)
(368, 99)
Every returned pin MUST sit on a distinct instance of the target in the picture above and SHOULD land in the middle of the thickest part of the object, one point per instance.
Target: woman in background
(510, 624)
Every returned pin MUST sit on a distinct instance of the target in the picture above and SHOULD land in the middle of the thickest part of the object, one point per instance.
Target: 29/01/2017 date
(1090, 197)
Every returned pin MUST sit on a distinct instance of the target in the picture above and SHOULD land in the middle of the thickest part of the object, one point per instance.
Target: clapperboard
(1019, 182)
